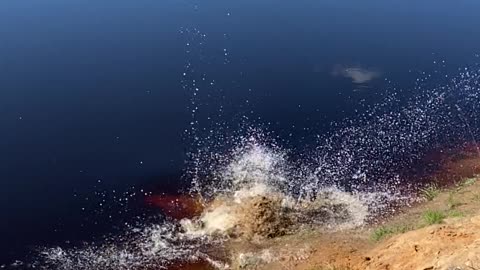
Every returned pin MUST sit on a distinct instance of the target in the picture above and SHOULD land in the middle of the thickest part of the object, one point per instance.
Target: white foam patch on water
(251, 260)
(356, 207)
(214, 221)
(151, 247)
(258, 189)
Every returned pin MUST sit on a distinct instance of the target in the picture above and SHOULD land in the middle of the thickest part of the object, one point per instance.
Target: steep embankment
(454, 244)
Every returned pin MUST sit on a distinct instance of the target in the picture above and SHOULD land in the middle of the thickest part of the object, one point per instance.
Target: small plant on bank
(469, 181)
(466, 182)
(452, 203)
(433, 217)
(380, 233)
(456, 214)
(383, 232)
(476, 197)
(430, 192)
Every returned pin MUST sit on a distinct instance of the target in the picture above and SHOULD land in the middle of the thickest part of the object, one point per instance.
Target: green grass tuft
(469, 181)
(430, 192)
(383, 232)
(380, 233)
(433, 217)
(456, 214)
(466, 182)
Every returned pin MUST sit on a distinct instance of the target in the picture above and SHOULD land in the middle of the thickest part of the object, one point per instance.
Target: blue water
(92, 98)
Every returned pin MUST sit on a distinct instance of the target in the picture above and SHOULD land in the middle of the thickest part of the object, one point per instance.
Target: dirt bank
(441, 232)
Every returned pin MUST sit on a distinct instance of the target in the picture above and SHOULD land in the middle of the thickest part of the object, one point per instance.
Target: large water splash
(256, 175)
(347, 177)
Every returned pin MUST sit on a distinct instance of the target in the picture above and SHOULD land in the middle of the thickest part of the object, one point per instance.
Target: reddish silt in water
(177, 206)
(449, 166)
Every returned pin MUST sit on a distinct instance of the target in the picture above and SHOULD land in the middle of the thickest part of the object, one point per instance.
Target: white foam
(215, 221)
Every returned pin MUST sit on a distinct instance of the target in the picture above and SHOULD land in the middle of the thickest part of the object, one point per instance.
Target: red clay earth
(177, 206)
